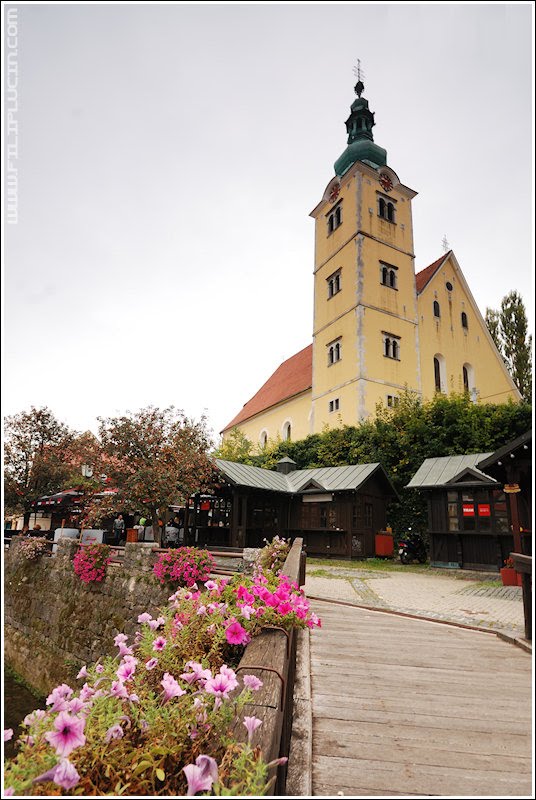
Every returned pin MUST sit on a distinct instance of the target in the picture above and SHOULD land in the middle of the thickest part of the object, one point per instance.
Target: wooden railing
(271, 656)
(523, 565)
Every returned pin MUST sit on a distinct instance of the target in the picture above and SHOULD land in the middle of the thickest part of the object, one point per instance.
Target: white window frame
(334, 349)
(334, 405)
(334, 283)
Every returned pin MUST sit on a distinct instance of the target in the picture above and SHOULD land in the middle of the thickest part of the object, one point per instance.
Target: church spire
(359, 126)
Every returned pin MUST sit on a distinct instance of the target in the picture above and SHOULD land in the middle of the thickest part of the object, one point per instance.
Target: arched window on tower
(381, 207)
(387, 347)
(465, 324)
(465, 379)
(390, 212)
(392, 279)
(394, 348)
(437, 310)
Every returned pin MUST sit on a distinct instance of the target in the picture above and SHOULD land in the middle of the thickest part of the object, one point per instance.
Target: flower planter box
(510, 577)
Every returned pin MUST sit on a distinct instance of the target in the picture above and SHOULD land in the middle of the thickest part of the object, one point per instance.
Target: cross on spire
(360, 75)
(445, 244)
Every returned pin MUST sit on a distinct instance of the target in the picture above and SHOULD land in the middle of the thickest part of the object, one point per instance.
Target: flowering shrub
(154, 721)
(31, 549)
(273, 556)
(184, 566)
(91, 561)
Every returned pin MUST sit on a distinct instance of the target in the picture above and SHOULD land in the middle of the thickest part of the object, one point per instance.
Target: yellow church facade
(379, 328)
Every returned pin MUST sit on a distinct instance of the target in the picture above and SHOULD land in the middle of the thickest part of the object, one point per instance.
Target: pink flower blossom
(151, 664)
(9, 791)
(76, 705)
(86, 692)
(83, 672)
(171, 687)
(201, 775)
(247, 611)
(211, 585)
(134, 698)
(159, 643)
(284, 608)
(63, 774)
(126, 671)
(220, 685)
(145, 617)
(117, 689)
(58, 697)
(115, 732)
(35, 716)
(252, 682)
(99, 669)
(201, 611)
(251, 723)
(124, 650)
(121, 637)
(8, 734)
(236, 634)
(69, 734)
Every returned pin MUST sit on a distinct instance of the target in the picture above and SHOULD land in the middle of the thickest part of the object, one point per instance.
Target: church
(379, 327)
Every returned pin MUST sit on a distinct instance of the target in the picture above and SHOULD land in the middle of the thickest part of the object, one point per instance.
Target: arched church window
(381, 207)
(437, 310)
(465, 324)
(390, 212)
(387, 347)
(392, 279)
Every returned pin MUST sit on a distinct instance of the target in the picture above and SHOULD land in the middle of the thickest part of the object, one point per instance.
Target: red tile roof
(292, 377)
(422, 277)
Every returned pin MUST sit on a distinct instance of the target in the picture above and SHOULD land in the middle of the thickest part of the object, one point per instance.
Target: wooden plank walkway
(409, 707)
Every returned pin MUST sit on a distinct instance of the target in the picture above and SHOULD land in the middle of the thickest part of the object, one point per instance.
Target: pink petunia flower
(124, 650)
(115, 732)
(8, 734)
(63, 774)
(252, 682)
(76, 705)
(151, 664)
(69, 734)
(83, 672)
(117, 689)
(126, 671)
(99, 668)
(145, 617)
(159, 643)
(220, 685)
(211, 585)
(251, 723)
(201, 775)
(236, 634)
(121, 637)
(171, 687)
(35, 716)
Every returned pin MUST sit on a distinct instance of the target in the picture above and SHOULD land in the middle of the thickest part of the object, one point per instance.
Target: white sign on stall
(92, 536)
(64, 533)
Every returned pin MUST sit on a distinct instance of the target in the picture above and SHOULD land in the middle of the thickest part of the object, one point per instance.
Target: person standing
(118, 529)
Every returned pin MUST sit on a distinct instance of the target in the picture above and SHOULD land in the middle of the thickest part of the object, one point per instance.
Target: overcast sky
(168, 159)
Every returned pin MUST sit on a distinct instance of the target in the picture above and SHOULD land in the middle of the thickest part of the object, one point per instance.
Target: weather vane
(360, 75)
(445, 243)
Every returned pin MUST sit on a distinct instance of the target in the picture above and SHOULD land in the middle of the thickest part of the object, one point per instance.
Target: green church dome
(361, 145)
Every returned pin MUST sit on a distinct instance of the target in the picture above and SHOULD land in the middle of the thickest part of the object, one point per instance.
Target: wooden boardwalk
(409, 707)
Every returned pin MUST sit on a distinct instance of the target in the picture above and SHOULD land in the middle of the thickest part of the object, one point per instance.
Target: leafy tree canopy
(35, 444)
(509, 330)
(155, 458)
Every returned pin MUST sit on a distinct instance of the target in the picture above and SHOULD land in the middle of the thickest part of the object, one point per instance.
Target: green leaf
(142, 766)
(160, 774)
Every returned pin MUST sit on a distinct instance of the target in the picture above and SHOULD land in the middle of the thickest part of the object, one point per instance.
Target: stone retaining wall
(54, 623)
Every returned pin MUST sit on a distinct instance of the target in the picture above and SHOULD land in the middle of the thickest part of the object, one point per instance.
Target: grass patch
(368, 564)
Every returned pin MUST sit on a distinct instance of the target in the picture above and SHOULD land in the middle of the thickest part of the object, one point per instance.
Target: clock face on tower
(386, 182)
(334, 193)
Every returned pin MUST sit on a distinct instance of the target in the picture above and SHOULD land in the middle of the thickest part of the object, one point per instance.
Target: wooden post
(512, 489)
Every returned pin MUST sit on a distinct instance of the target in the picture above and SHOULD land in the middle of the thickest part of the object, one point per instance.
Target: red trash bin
(132, 535)
(384, 544)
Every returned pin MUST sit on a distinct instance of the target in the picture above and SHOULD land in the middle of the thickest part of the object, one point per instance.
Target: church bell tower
(365, 327)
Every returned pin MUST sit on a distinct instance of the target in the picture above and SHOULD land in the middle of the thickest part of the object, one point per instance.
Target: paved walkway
(467, 600)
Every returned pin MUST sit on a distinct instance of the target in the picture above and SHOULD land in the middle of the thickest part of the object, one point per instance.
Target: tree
(34, 457)
(508, 329)
(155, 458)
(236, 447)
